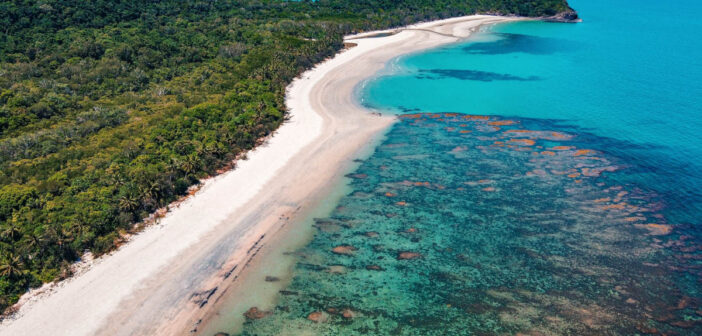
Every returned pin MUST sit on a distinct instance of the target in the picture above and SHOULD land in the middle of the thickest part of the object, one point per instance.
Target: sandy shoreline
(167, 280)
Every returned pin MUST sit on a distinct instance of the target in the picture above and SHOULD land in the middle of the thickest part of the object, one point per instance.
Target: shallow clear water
(543, 179)
(461, 224)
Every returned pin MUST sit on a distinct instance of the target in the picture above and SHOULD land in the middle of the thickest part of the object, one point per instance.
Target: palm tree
(129, 202)
(81, 224)
(151, 192)
(60, 239)
(34, 241)
(12, 266)
(33, 245)
(10, 232)
(191, 165)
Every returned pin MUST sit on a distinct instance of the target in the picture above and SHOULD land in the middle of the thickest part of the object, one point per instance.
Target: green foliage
(112, 109)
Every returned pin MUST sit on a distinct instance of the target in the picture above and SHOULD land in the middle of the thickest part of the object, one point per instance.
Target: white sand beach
(169, 278)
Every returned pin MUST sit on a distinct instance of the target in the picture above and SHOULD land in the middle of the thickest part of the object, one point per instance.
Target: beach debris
(271, 279)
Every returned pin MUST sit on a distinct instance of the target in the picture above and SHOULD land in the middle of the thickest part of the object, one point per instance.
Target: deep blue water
(542, 179)
(632, 71)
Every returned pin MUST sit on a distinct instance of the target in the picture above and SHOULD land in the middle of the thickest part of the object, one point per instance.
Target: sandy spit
(167, 279)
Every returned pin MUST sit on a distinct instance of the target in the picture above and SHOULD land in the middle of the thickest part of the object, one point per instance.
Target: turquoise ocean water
(543, 179)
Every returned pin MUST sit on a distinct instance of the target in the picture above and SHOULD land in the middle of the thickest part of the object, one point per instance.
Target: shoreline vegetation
(84, 193)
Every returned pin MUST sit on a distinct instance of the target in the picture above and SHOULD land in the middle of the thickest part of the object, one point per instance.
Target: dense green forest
(111, 109)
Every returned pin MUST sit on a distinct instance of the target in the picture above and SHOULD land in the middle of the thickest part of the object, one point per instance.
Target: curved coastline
(170, 278)
(337, 94)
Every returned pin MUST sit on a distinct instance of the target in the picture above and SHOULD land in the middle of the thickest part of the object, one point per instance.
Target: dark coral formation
(464, 224)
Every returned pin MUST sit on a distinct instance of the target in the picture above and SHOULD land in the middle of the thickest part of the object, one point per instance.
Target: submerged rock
(502, 123)
(581, 152)
(523, 142)
(647, 330)
(317, 317)
(348, 314)
(336, 269)
(408, 255)
(685, 324)
(255, 314)
(344, 249)
(374, 268)
(655, 229)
